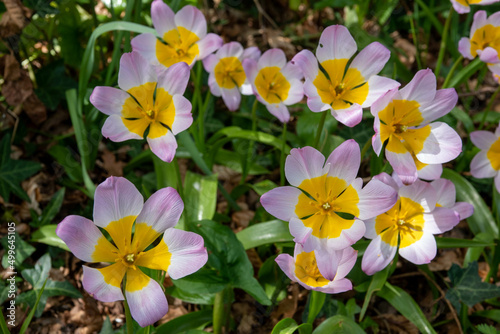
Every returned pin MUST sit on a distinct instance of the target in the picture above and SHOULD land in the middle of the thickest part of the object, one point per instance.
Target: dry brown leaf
(110, 164)
(35, 109)
(15, 19)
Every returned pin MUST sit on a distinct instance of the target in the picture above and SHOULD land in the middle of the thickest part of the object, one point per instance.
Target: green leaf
(193, 298)
(461, 243)
(107, 327)
(263, 187)
(481, 220)
(52, 209)
(466, 72)
(227, 255)
(339, 324)
(316, 301)
(47, 235)
(264, 233)
(376, 284)
(186, 322)
(204, 281)
(233, 160)
(34, 309)
(407, 306)
(289, 326)
(37, 276)
(21, 249)
(200, 196)
(488, 314)
(463, 117)
(233, 132)
(486, 329)
(12, 172)
(66, 159)
(467, 287)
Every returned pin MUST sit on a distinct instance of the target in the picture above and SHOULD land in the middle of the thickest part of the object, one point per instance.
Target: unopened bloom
(403, 121)
(227, 77)
(327, 205)
(321, 270)
(484, 40)
(409, 226)
(149, 97)
(336, 85)
(486, 163)
(182, 36)
(276, 83)
(117, 205)
(463, 6)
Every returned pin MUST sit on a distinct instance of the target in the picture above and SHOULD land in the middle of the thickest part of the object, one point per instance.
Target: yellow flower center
(229, 73)
(486, 36)
(493, 155)
(178, 45)
(306, 270)
(271, 85)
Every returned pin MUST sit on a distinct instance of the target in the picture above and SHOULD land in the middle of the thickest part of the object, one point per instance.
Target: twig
(263, 13)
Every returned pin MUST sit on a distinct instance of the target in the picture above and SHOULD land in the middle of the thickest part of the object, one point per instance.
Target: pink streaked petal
(279, 110)
(252, 52)
(480, 19)
(430, 172)
(480, 166)
(403, 164)
(209, 62)
(296, 92)
(316, 104)
(347, 237)
(382, 102)
(114, 199)
(300, 232)
(209, 44)
(250, 67)
(461, 9)
(344, 161)
(292, 71)
(231, 97)
(188, 252)
(347, 262)
(421, 251)
(488, 55)
(497, 131)
(440, 220)
(483, 139)
(464, 48)
(162, 16)
(164, 147)
(388, 180)
(422, 193)
(115, 130)
(303, 164)
(173, 79)
(271, 58)
(442, 145)
(378, 86)
(145, 44)
(444, 101)
(371, 232)
(445, 192)
(231, 49)
(214, 86)
(183, 116)
(371, 60)
(336, 286)
(335, 43)
(93, 282)
(108, 100)
(376, 198)
(377, 143)
(422, 88)
(328, 260)
(350, 117)
(464, 209)
(377, 256)
(494, 18)
(308, 63)
(281, 202)
(149, 304)
(192, 19)
(287, 265)
(135, 71)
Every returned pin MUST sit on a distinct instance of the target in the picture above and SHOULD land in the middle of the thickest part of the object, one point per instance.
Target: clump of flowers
(404, 122)
(149, 97)
(486, 163)
(118, 207)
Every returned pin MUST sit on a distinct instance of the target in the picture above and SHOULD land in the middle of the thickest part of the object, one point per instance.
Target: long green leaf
(186, 322)
(47, 235)
(376, 284)
(339, 324)
(489, 314)
(316, 302)
(461, 243)
(407, 306)
(3, 324)
(289, 326)
(200, 196)
(466, 72)
(27, 321)
(264, 233)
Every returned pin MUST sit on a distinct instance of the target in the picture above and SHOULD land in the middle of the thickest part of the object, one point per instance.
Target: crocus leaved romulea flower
(276, 83)
(227, 77)
(403, 121)
(337, 85)
(486, 163)
(182, 37)
(463, 6)
(149, 97)
(117, 205)
(321, 270)
(326, 204)
(410, 224)
(484, 41)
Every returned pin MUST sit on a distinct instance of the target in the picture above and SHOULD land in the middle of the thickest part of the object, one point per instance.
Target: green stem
(246, 163)
(282, 159)
(320, 129)
(316, 301)
(452, 70)
(415, 41)
(201, 119)
(221, 313)
(488, 107)
(180, 188)
(366, 147)
(444, 40)
(128, 315)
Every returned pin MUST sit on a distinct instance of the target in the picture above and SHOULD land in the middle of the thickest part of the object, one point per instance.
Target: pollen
(326, 206)
(130, 258)
(150, 113)
(401, 222)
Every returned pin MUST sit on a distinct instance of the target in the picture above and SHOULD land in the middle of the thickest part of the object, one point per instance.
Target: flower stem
(246, 163)
(444, 40)
(316, 301)
(452, 70)
(202, 107)
(128, 316)
(488, 107)
(222, 305)
(282, 159)
(320, 128)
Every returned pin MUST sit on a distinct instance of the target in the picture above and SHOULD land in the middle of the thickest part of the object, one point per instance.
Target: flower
(487, 162)
(227, 76)
(484, 40)
(410, 224)
(321, 270)
(463, 6)
(275, 83)
(326, 205)
(403, 121)
(151, 97)
(117, 205)
(343, 88)
(446, 195)
(182, 36)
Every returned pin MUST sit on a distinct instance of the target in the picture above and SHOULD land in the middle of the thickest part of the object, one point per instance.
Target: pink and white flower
(486, 163)
(118, 205)
(343, 88)
(326, 204)
(276, 83)
(463, 6)
(181, 37)
(227, 77)
(404, 120)
(149, 97)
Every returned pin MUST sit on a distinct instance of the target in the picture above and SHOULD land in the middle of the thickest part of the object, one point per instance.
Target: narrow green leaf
(27, 321)
(233, 132)
(186, 322)
(52, 208)
(339, 324)
(316, 301)
(200, 196)
(376, 284)
(407, 306)
(463, 117)
(289, 326)
(488, 314)
(264, 233)
(461, 243)
(3, 324)
(47, 235)
(466, 72)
